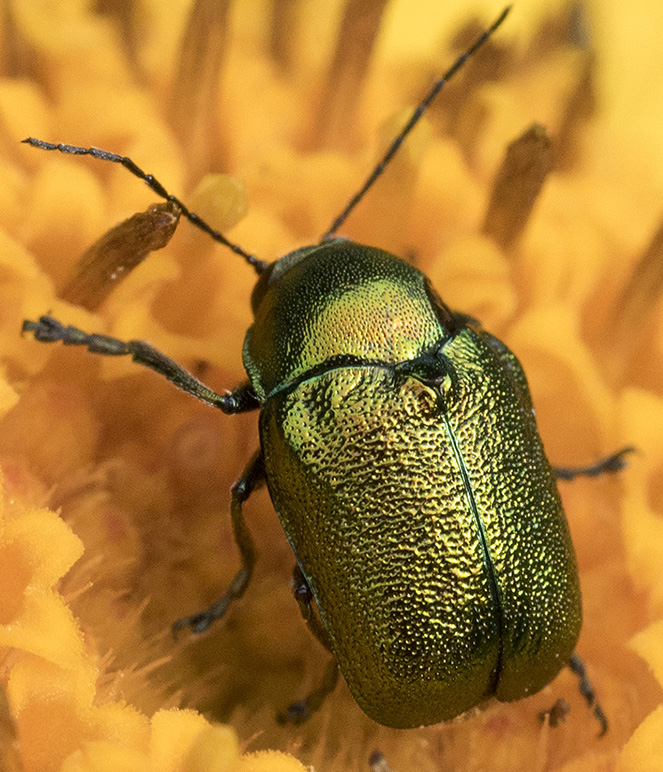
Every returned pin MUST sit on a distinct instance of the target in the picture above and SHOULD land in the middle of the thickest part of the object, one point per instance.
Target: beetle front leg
(252, 477)
(606, 465)
(49, 330)
(302, 710)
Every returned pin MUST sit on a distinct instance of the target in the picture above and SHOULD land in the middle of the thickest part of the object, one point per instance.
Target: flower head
(116, 486)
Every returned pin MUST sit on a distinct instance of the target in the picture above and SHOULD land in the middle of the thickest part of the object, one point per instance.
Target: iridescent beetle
(400, 450)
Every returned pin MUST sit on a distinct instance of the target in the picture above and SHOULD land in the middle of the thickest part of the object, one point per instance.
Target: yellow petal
(103, 756)
(173, 732)
(644, 749)
(649, 645)
(52, 710)
(214, 748)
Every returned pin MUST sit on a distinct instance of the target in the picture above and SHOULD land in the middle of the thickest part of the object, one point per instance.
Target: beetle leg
(49, 330)
(252, 477)
(304, 596)
(556, 715)
(586, 689)
(612, 463)
(302, 710)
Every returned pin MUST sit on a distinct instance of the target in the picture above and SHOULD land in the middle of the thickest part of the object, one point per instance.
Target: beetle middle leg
(606, 465)
(304, 596)
(252, 477)
(302, 710)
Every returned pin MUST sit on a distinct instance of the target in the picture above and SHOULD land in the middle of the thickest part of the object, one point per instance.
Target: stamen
(641, 293)
(579, 108)
(154, 185)
(194, 107)
(347, 73)
(284, 15)
(528, 161)
(112, 257)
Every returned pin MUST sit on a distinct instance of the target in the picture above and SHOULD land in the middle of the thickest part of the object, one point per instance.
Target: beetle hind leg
(302, 710)
(587, 690)
(606, 465)
(252, 477)
(556, 715)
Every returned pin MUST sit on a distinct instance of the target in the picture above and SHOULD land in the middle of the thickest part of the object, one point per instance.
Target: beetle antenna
(154, 185)
(414, 119)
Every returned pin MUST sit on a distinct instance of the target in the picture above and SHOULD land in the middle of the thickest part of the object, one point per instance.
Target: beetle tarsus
(587, 690)
(297, 713)
(300, 711)
(607, 465)
(556, 714)
(203, 620)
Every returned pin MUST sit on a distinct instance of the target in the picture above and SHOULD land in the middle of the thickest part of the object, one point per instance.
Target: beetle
(399, 446)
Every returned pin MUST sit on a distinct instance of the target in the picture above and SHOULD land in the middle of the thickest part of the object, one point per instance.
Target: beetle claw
(556, 714)
(198, 623)
(297, 713)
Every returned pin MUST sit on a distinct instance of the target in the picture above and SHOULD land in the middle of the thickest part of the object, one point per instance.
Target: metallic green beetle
(400, 449)
(402, 456)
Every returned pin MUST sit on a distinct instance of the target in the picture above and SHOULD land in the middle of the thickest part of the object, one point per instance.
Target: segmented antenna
(154, 185)
(260, 265)
(414, 119)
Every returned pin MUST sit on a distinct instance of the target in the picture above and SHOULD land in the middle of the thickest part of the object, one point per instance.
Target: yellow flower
(293, 99)
(35, 550)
